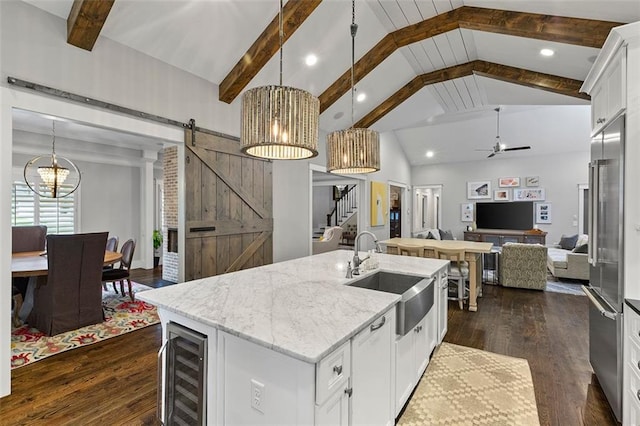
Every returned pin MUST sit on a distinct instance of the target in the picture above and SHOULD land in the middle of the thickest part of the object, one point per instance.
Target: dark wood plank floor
(114, 382)
(551, 331)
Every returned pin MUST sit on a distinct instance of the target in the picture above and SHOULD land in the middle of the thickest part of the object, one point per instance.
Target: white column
(6, 143)
(147, 213)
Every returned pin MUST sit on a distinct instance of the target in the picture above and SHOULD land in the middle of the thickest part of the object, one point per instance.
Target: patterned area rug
(29, 345)
(465, 386)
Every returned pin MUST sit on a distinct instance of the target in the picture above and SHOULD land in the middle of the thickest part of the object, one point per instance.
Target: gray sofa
(564, 263)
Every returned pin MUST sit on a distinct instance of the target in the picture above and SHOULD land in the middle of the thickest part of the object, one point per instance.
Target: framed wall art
(501, 195)
(466, 212)
(378, 203)
(529, 194)
(543, 212)
(532, 181)
(509, 182)
(478, 190)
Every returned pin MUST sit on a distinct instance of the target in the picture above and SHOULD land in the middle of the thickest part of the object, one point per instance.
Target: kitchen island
(288, 343)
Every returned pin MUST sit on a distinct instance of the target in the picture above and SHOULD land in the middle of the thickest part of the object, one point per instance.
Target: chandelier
(353, 150)
(279, 122)
(52, 176)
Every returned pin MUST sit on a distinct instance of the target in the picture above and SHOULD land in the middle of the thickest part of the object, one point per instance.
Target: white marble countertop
(300, 307)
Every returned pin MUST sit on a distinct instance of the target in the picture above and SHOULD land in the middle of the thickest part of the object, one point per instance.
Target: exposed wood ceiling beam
(551, 83)
(85, 22)
(294, 13)
(582, 32)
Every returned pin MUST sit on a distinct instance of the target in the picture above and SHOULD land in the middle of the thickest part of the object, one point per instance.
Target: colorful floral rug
(122, 316)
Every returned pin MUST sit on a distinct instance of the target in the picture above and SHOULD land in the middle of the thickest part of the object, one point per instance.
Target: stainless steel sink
(416, 292)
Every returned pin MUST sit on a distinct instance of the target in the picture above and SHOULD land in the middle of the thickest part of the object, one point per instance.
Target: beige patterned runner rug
(465, 386)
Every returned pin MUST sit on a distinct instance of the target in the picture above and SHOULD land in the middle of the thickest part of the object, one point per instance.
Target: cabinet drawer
(634, 325)
(332, 372)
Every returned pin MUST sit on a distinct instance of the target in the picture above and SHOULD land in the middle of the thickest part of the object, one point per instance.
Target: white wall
(323, 204)
(559, 176)
(394, 168)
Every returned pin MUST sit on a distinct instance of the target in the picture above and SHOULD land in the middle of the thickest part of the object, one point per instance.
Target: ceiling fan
(499, 147)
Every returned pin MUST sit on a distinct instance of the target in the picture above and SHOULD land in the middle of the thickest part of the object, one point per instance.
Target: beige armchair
(523, 266)
(329, 241)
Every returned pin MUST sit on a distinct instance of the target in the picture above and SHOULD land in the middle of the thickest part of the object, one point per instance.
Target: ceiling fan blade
(491, 155)
(517, 148)
(489, 150)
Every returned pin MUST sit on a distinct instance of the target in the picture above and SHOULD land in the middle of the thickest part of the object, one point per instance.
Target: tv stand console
(500, 236)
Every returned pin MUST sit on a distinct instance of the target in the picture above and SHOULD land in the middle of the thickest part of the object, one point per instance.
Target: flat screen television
(505, 215)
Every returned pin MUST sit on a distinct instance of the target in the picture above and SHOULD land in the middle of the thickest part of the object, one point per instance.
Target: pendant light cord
(53, 132)
(354, 30)
(498, 125)
(281, 41)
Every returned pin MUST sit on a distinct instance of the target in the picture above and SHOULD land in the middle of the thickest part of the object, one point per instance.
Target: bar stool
(410, 250)
(458, 270)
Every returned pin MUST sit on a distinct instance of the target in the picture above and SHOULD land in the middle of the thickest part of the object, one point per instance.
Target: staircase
(345, 207)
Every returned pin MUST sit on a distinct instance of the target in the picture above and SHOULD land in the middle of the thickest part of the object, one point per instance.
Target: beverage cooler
(182, 369)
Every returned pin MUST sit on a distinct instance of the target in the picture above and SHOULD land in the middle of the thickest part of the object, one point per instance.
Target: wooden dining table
(34, 264)
(472, 252)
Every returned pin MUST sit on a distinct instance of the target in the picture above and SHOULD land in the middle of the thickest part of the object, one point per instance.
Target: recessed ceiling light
(429, 154)
(547, 52)
(311, 60)
(361, 97)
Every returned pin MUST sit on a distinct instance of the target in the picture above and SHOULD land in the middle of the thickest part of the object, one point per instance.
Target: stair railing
(344, 205)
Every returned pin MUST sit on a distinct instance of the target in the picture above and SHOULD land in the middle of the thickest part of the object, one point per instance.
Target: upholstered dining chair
(71, 297)
(26, 238)
(458, 271)
(121, 274)
(112, 245)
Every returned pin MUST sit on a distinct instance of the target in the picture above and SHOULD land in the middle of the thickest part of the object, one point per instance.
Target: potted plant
(157, 244)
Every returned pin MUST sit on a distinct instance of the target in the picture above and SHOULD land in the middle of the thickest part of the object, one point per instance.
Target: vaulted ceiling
(417, 61)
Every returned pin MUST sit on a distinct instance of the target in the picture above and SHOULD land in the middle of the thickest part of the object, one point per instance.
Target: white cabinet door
(335, 411)
(405, 370)
(608, 96)
(421, 348)
(371, 373)
(442, 305)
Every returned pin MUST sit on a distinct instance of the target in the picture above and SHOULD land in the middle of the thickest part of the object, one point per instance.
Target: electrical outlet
(257, 395)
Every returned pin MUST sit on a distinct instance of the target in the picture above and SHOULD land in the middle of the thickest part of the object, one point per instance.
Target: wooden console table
(500, 236)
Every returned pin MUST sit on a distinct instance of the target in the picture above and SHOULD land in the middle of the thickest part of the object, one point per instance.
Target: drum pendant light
(353, 150)
(52, 176)
(279, 122)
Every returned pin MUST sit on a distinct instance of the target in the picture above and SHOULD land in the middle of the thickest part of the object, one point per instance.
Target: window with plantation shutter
(28, 208)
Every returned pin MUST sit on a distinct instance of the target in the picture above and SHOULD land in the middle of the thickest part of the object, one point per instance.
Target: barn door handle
(202, 229)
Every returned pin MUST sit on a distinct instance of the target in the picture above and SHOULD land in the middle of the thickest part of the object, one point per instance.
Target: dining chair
(112, 245)
(121, 273)
(17, 304)
(26, 238)
(458, 271)
(71, 297)
(410, 250)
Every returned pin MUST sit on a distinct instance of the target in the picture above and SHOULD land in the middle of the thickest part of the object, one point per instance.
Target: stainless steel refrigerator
(606, 238)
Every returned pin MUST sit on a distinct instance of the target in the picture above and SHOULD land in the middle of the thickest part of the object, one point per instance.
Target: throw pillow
(584, 248)
(582, 239)
(435, 233)
(568, 243)
(446, 235)
(430, 236)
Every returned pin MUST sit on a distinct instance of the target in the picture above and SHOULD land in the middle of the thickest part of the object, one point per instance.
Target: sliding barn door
(229, 221)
